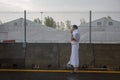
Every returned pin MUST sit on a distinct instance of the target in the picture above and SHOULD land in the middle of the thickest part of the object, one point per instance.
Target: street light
(41, 16)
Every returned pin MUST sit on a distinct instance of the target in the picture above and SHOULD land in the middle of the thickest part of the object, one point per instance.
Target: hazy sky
(60, 5)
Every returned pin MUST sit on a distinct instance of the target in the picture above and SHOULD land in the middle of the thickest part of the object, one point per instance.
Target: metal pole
(90, 26)
(92, 45)
(24, 44)
(41, 17)
(25, 26)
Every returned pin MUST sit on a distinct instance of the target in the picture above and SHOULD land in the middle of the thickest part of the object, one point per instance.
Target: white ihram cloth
(74, 59)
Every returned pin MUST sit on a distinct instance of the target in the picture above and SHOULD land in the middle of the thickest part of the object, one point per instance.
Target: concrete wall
(11, 55)
(55, 56)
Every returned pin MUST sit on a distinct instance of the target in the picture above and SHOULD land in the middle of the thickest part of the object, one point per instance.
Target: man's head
(75, 27)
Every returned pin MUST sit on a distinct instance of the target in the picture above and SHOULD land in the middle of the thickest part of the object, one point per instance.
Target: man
(75, 37)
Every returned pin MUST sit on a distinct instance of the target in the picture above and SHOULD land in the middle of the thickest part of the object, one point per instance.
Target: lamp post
(41, 17)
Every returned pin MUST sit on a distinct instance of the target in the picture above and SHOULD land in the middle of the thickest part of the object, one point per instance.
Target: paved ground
(57, 75)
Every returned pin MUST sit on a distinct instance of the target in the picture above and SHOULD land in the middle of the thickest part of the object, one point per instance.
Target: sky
(59, 5)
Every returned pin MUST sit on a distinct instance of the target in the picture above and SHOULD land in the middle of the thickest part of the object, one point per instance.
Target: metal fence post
(24, 43)
(90, 38)
(90, 27)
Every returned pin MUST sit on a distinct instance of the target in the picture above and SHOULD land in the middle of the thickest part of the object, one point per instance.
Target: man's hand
(72, 38)
(71, 31)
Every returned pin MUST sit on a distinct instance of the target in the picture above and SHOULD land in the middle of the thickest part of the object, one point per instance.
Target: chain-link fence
(41, 39)
(40, 27)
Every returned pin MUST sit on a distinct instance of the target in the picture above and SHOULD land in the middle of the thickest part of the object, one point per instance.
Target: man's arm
(72, 38)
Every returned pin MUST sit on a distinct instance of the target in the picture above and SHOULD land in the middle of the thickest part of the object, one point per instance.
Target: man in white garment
(75, 37)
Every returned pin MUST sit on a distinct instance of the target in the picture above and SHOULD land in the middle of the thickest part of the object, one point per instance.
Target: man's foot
(75, 69)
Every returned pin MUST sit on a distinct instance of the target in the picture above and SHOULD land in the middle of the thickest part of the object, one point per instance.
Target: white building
(14, 30)
(104, 30)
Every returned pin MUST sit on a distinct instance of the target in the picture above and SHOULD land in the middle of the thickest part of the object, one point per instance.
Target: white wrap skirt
(74, 58)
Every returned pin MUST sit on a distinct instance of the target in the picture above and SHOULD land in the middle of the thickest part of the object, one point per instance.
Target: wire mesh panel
(11, 38)
(12, 26)
(54, 27)
(105, 27)
(42, 39)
